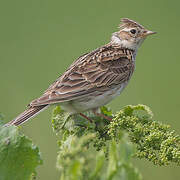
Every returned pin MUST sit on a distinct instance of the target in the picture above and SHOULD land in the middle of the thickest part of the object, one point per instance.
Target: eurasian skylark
(95, 78)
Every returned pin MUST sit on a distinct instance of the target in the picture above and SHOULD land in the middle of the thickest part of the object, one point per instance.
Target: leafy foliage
(86, 151)
(154, 141)
(101, 150)
(110, 143)
(18, 156)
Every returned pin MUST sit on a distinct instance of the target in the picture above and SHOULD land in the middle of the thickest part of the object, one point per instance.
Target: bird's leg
(84, 116)
(101, 115)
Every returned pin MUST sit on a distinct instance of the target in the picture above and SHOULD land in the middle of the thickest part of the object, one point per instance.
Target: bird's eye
(133, 31)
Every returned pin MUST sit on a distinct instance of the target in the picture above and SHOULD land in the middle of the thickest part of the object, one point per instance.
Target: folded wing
(92, 72)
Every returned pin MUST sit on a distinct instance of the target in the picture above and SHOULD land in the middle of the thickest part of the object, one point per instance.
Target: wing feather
(102, 68)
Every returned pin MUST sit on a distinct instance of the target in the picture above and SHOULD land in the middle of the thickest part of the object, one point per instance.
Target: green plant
(18, 156)
(132, 132)
(101, 150)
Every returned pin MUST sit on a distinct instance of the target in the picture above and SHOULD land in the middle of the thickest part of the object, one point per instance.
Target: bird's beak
(147, 33)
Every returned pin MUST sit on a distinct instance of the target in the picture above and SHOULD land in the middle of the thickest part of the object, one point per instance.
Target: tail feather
(26, 115)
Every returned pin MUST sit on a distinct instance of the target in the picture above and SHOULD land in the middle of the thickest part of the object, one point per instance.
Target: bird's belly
(91, 102)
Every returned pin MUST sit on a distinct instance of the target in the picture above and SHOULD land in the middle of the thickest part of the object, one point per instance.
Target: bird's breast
(93, 101)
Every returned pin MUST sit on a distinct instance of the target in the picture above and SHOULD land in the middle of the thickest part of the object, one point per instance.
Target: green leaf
(100, 161)
(106, 111)
(113, 161)
(119, 164)
(125, 150)
(18, 156)
(127, 172)
(59, 119)
(75, 170)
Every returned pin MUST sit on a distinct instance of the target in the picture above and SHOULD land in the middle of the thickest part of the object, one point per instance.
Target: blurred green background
(39, 39)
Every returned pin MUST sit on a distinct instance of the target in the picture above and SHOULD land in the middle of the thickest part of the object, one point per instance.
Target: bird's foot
(84, 116)
(102, 115)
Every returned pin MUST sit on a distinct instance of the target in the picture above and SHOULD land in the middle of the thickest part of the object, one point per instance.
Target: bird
(95, 78)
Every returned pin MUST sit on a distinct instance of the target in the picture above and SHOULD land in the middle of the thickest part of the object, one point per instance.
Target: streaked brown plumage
(105, 67)
(94, 78)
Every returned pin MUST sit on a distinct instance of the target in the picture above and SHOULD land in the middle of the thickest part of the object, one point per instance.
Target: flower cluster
(132, 132)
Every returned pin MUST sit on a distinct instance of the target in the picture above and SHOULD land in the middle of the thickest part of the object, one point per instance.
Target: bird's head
(131, 34)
